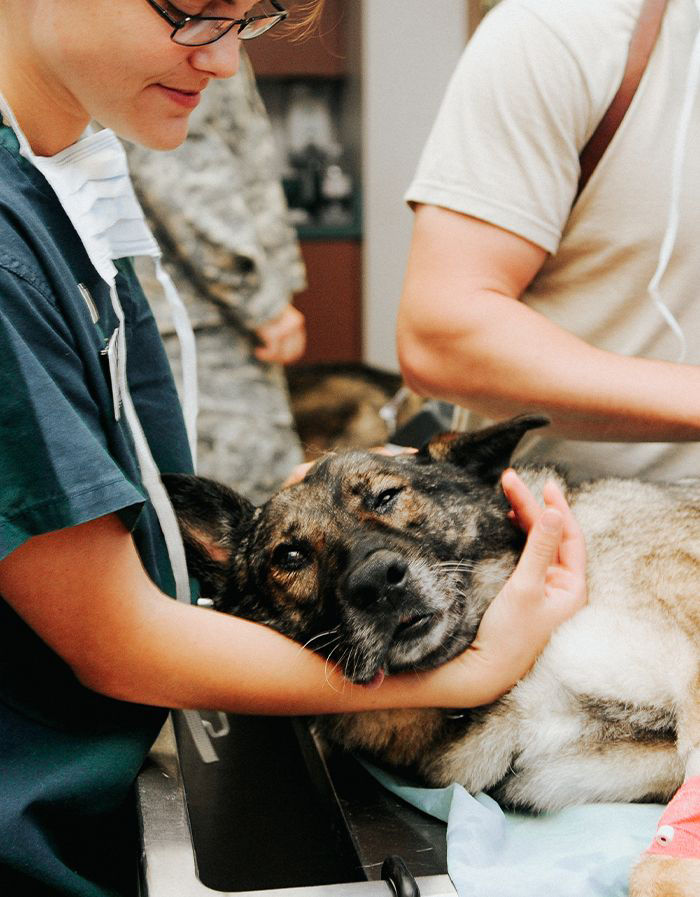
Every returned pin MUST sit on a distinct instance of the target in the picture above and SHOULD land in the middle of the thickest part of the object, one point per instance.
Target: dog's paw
(660, 876)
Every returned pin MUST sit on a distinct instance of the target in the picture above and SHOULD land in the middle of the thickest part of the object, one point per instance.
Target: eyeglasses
(197, 31)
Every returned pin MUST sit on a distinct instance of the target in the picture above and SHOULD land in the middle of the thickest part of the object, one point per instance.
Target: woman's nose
(220, 59)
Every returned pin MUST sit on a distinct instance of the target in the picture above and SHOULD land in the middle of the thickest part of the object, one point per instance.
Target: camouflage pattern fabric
(217, 208)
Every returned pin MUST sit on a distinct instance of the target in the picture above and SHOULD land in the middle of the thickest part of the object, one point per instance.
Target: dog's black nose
(381, 575)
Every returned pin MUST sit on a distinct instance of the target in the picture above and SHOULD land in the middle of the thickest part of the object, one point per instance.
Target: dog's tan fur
(657, 876)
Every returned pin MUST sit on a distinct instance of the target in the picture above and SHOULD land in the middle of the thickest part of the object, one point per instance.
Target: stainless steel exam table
(278, 816)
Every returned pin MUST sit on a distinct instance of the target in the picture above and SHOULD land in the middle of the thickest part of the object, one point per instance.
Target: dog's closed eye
(383, 501)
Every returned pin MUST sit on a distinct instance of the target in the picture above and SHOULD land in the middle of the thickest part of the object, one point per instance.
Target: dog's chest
(597, 663)
(626, 647)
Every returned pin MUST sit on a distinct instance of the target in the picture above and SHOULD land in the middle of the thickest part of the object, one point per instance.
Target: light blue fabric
(584, 851)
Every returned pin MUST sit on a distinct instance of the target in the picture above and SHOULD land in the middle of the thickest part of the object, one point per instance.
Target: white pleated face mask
(91, 179)
(92, 183)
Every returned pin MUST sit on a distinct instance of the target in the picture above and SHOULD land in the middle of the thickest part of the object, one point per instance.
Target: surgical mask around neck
(92, 183)
(91, 180)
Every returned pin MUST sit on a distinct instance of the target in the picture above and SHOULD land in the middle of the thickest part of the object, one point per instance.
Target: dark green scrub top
(68, 757)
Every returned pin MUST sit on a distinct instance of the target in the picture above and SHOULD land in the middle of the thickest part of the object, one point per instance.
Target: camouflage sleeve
(217, 207)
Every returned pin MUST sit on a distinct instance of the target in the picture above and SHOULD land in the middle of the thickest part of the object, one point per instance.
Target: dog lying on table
(384, 564)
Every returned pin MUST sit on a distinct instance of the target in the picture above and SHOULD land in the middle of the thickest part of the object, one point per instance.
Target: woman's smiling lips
(187, 98)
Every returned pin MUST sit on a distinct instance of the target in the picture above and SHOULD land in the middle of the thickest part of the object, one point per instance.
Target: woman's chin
(166, 136)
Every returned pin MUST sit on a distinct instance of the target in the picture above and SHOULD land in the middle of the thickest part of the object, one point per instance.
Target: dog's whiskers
(486, 576)
(325, 671)
(344, 664)
(313, 638)
(456, 567)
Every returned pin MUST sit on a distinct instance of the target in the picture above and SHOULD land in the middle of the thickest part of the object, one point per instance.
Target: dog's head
(380, 563)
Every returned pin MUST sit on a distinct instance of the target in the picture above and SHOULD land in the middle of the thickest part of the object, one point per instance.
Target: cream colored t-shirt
(527, 94)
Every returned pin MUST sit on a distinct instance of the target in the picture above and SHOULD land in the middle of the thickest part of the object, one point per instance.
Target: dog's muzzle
(379, 578)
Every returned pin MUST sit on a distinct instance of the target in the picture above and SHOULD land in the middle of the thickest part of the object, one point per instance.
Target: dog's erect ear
(484, 453)
(212, 519)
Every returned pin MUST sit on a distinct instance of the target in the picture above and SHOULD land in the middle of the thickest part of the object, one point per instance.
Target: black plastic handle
(395, 872)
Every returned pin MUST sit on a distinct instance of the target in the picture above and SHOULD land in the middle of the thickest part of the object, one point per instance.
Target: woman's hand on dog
(566, 568)
(546, 588)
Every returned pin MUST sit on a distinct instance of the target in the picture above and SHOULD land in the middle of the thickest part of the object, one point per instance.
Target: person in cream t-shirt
(520, 297)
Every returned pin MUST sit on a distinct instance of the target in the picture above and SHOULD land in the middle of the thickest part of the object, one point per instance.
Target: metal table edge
(168, 865)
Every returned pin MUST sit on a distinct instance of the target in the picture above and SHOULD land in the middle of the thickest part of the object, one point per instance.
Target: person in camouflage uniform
(218, 210)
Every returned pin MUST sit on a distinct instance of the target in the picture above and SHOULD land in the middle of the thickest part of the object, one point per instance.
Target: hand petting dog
(547, 586)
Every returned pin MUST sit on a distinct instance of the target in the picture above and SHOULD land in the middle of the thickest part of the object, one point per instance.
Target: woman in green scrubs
(91, 644)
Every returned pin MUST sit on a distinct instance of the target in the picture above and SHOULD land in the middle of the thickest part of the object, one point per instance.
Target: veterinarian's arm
(464, 336)
(86, 594)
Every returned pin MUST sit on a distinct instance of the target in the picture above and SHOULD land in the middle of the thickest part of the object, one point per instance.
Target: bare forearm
(465, 336)
(230, 664)
(157, 651)
(84, 591)
(491, 353)
(87, 596)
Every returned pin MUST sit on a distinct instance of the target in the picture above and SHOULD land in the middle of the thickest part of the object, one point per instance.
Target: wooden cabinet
(321, 54)
(332, 303)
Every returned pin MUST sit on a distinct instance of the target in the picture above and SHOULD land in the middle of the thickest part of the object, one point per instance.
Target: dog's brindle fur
(388, 563)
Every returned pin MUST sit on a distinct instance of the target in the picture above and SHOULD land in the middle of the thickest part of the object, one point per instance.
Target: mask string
(10, 119)
(165, 513)
(188, 355)
(671, 233)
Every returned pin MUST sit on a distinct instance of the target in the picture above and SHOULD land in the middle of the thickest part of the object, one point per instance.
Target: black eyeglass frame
(280, 14)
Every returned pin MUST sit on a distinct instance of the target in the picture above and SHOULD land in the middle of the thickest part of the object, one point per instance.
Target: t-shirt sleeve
(56, 466)
(505, 145)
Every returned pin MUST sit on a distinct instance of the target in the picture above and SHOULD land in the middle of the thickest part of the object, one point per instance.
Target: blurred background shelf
(351, 107)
